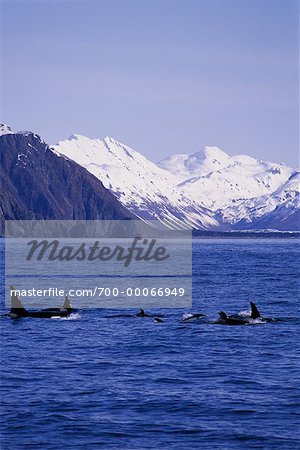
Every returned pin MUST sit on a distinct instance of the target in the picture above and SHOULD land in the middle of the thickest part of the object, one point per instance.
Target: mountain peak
(206, 160)
(5, 129)
(76, 136)
(213, 152)
(109, 140)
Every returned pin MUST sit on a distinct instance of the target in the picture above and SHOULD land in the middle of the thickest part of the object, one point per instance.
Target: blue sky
(161, 76)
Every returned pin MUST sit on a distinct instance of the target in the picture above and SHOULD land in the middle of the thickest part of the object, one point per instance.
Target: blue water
(128, 383)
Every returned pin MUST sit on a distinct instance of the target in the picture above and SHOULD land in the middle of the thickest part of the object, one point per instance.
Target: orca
(142, 313)
(255, 314)
(240, 319)
(18, 311)
(232, 320)
(158, 320)
(192, 316)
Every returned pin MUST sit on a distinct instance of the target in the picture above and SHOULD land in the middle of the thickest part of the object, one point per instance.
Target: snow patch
(5, 129)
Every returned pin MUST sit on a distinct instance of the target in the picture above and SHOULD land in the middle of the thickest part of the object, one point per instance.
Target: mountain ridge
(204, 190)
(208, 183)
(141, 186)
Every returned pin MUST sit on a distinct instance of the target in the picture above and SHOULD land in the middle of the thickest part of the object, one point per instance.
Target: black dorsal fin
(16, 303)
(67, 304)
(223, 315)
(254, 311)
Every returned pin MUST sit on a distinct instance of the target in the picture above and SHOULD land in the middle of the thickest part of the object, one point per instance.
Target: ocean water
(97, 381)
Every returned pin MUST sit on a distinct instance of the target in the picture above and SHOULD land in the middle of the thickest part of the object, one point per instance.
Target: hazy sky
(161, 76)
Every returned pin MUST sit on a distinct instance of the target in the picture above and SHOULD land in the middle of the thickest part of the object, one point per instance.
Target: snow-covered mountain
(218, 179)
(205, 190)
(243, 191)
(280, 209)
(186, 166)
(147, 190)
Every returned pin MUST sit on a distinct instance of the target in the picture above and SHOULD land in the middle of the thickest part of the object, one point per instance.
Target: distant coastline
(268, 234)
(200, 234)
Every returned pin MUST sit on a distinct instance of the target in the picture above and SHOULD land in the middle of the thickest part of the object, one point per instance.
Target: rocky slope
(37, 184)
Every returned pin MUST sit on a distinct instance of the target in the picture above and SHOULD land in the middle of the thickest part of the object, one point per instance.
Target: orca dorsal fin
(67, 303)
(223, 315)
(254, 311)
(15, 301)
